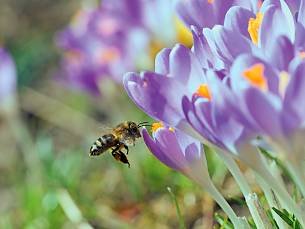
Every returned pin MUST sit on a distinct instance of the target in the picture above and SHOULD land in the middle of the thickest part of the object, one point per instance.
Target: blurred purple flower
(7, 75)
(116, 37)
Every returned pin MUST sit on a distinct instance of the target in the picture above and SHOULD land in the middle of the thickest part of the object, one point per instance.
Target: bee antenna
(145, 125)
(142, 124)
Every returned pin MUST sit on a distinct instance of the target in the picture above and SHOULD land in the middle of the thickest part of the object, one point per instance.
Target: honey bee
(122, 136)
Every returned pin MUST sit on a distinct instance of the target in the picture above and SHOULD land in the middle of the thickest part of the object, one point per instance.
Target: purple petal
(155, 95)
(280, 53)
(265, 110)
(294, 102)
(227, 44)
(237, 19)
(277, 22)
(157, 152)
(162, 61)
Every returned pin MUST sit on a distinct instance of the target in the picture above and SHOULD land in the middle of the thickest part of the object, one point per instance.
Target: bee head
(134, 129)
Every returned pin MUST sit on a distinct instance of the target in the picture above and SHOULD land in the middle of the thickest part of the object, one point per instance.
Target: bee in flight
(122, 136)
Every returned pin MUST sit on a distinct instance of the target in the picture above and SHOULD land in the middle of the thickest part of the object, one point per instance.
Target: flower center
(203, 91)
(255, 75)
(155, 126)
(253, 27)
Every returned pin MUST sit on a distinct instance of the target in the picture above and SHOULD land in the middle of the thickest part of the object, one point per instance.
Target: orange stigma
(210, 1)
(255, 75)
(254, 26)
(155, 126)
(203, 91)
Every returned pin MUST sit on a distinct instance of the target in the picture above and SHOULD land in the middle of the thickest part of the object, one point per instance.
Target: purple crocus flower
(262, 89)
(246, 31)
(177, 150)
(185, 154)
(7, 75)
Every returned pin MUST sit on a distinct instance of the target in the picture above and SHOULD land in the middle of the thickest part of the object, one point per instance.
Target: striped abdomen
(102, 144)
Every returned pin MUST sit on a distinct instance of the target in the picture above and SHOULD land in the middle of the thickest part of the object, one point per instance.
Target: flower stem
(296, 171)
(272, 201)
(254, 160)
(257, 212)
(220, 200)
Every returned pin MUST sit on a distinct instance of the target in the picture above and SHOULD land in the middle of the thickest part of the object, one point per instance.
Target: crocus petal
(280, 53)
(301, 13)
(158, 153)
(203, 13)
(162, 61)
(174, 148)
(294, 101)
(277, 21)
(264, 110)
(203, 51)
(227, 44)
(155, 94)
(237, 19)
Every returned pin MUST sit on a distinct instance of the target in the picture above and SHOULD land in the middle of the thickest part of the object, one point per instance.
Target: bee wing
(102, 129)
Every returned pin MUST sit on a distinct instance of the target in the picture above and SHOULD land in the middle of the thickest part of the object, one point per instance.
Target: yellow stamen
(171, 129)
(155, 126)
(254, 26)
(184, 36)
(255, 75)
(210, 1)
(203, 91)
(284, 79)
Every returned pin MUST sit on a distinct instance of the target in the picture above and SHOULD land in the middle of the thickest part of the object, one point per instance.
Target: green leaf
(174, 199)
(223, 221)
(283, 214)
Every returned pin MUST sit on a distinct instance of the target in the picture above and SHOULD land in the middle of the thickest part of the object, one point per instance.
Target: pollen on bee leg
(155, 126)
(255, 75)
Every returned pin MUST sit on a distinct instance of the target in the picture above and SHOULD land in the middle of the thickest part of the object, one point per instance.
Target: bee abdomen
(102, 144)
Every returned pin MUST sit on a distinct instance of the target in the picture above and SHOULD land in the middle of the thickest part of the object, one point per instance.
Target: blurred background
(47, 179)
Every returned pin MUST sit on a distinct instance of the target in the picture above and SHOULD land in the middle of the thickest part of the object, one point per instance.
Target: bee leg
(120, 156)
(124, 158)
(126, 147)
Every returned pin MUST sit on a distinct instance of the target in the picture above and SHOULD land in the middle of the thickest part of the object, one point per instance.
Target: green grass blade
(174, 199)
